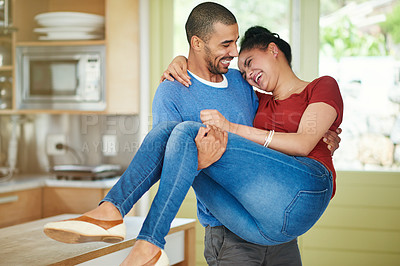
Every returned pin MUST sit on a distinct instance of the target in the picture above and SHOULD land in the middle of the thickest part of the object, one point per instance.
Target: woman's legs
(282, 196)
(178, 172)
(267, 197)
(143, 171)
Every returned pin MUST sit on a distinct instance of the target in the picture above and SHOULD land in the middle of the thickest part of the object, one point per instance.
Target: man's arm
(332, 139)
(165, 105)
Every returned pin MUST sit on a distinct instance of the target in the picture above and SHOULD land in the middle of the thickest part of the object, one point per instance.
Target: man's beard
(211, 67)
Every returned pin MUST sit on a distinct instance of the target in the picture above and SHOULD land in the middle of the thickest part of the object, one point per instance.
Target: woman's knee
(164, 127)
(187, 129)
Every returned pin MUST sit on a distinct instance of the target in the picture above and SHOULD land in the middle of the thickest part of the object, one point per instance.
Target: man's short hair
(201, 20)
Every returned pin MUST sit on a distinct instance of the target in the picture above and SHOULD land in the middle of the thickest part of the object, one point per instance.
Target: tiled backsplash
(83, 136)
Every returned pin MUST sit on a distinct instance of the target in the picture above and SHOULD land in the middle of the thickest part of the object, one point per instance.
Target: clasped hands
(211, 140)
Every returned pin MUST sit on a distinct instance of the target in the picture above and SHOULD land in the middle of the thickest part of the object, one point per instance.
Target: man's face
(221, 48)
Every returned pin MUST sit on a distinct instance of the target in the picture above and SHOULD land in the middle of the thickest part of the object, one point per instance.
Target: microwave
(60, 77)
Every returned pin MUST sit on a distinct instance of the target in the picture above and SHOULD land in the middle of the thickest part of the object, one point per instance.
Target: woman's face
(258, 68)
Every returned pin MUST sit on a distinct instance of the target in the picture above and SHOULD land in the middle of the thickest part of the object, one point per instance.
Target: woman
(265, 193)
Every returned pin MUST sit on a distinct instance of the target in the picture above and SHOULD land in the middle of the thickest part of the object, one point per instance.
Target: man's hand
(211, 144)
(215, 118)
(177, 69)
(332, 139)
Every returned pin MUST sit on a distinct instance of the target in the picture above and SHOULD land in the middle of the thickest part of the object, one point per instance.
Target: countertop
(26, 244)
(24, 182)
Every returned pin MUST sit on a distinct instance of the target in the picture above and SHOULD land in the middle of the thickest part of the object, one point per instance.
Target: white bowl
(69, 19)
(69, 29)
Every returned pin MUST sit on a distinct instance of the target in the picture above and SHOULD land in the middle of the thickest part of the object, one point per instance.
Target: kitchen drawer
(20, 206)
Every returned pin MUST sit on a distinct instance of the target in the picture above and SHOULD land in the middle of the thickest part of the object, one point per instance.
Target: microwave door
(61, 77)
(53, 80)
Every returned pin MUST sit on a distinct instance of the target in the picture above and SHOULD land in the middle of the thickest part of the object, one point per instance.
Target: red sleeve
(327, 90)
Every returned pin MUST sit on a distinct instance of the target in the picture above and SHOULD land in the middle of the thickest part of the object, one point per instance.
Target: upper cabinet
(117, 48)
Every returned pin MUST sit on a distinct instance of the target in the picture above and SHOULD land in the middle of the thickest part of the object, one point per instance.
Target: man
(212, 33)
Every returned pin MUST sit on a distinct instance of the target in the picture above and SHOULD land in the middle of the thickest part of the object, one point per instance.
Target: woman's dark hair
(260, 37)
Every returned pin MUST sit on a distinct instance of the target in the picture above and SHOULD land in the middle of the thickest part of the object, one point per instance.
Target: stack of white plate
(70, 26)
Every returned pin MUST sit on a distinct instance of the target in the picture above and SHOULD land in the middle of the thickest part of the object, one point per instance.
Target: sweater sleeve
(165, 104)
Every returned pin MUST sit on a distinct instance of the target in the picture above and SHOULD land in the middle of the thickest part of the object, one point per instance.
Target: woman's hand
(211, 145)
(332, 139)
(177, 69)
(214, 117)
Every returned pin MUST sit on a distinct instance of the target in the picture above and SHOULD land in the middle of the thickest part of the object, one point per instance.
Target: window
(360, 48)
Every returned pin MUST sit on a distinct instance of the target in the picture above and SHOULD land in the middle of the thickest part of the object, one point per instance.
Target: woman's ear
(196, 43)
(273, 48)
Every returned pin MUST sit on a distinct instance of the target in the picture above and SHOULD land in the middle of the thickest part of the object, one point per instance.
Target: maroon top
(284, 115)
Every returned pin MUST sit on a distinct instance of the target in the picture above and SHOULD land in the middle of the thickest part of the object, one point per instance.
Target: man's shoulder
(235, 77)
(170, 89)
(234, 74)
(171, 85)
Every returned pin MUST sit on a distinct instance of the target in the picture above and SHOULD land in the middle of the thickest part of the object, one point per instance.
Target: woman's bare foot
(105, 211)
(141, 253)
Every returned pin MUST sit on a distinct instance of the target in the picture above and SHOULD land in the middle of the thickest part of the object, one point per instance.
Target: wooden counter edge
(190, 249)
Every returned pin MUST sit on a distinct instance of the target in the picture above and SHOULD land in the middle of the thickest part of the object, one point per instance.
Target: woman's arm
(177, 69)
(315, 122)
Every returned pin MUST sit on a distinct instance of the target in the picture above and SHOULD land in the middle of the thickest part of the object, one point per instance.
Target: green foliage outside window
(345, 39)
(392, 24)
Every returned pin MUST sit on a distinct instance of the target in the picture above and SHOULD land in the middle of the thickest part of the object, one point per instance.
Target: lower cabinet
(20, 206)
(61, 200)
(32, 204)
(72, 200)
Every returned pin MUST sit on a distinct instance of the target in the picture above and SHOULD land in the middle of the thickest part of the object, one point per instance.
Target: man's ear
(196, 43)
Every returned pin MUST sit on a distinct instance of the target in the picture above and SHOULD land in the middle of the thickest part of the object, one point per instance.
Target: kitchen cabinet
(121, 42)
(61, 200)
(20, 206)
(34, 198)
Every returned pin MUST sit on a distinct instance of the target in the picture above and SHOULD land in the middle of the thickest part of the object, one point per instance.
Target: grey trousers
(222, 247)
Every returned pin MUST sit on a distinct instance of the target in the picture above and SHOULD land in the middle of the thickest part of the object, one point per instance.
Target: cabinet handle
(8, 199)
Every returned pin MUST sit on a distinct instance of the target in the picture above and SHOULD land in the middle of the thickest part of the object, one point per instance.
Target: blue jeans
(263, 196)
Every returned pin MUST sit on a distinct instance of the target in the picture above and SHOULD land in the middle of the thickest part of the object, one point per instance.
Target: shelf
(8, 112)
(6, 68)
(62, 43)
(54, 112)
(24, 12)
(6, 39)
